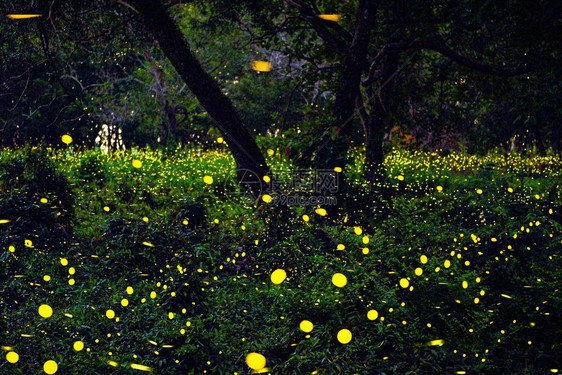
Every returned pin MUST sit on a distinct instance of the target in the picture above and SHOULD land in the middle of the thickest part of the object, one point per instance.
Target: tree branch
(335, 41)
(472, 64)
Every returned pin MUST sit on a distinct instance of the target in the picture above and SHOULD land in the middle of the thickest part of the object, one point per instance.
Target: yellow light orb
(344, 336)
(400, 177)
(372, 314)
(404, 283)
(12, 357)
(306, 326)
(423, 259)
(78, 346)
(330, 17)
(208, 180)
(137, 163)
(261, 66)
(278, 276)
(110, 314)
(305, 217)
(321, 211)
(124, 302)
(439, 188)
(255, 361)
(358, 231)
(45, 311)
(418, 271)
(339, 280)
(266, 198)
(50, 367)
(66, 139)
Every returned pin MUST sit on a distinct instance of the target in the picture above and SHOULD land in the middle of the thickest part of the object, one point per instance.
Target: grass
(186, 269)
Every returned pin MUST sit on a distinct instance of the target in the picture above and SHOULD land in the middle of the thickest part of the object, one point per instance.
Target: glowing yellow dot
(66, 139)
(106, 209)
(71, 282)
(152, 294)
(12, 357)
(344, 336)
(372, 314)
(341, 246)
(306, 326)
(338, 169)
(261, 66)
(510, 190)
(47, 278)
(45, 311)
(50, 367)
(404, 283)
(124, 302)
(321, 211)
(43, 200)
(130, 290)
(22, 16)
(141, 367)
(418, 271)
(110, 314)
(476, 300)
(78, 346)
(537, 196)
(423, 259)
(464, 284)
(137, 163)
(400, 177)
(479, 191)
(447, 263)
(71, 271)
(270, 152)
(220, 140)
(365, 250)
(330, 17)
(255, 361)
(278, 276)
(208, 180)
(28, 243)
(339, 280)
(267, 179)
(64, 262)
(365, 240)
(436, 343)
(439, 188)
(358, 230)
(493, 239)
(11, 249)
(171, 315)
(305, 217)
(266, 198)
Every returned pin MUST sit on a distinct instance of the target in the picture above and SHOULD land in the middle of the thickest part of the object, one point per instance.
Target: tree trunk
(376, 124)
(333, 153)
(241, 143)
